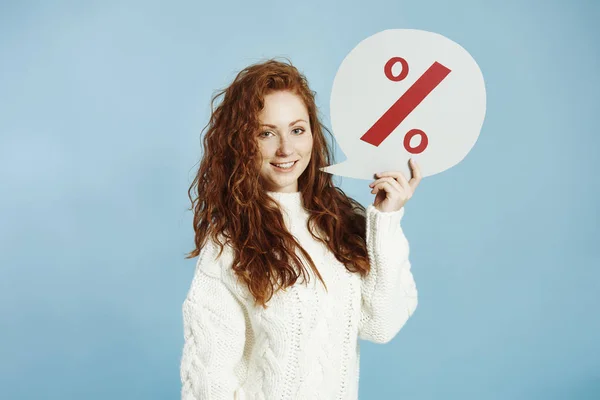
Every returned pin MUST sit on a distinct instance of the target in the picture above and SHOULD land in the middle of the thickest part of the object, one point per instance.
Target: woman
(264, 215)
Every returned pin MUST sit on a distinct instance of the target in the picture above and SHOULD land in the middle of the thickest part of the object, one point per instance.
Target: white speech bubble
(443, 113)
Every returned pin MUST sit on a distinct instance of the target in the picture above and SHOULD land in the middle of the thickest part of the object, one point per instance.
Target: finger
(416, 174)
(385, 186)
(391, 180)
(398, 176)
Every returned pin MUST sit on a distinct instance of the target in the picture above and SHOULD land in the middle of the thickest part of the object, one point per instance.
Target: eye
(299, 129)
(263, 134)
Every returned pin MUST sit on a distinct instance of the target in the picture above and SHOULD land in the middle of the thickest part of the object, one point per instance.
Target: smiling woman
(264, 216)
(287, 148)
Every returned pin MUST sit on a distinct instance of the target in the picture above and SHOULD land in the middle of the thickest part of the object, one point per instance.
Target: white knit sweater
(305, 344)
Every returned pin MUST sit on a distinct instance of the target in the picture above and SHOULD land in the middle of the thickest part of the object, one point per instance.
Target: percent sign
(405, 104)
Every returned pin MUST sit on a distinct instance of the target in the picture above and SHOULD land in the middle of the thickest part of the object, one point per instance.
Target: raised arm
(389, 293)
(213, 365)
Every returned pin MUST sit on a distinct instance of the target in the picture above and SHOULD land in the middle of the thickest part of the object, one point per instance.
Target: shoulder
(211, 262)
(357, 207)
(220, 267)
(359, 210)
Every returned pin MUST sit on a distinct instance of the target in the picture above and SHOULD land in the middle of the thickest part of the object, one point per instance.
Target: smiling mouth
(284, 166)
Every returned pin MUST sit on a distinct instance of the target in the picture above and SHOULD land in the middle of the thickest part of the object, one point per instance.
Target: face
(284, 138)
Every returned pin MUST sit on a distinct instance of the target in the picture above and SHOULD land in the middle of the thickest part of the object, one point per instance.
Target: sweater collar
(291, 202)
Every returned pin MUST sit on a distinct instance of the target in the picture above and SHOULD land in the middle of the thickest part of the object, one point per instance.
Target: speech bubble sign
(401, 94)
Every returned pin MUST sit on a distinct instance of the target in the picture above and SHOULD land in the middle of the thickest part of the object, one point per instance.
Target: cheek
(265, 151)
(308, 145)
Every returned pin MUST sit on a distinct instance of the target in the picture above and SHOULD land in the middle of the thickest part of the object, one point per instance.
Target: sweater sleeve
(214, 325)
(389, 293)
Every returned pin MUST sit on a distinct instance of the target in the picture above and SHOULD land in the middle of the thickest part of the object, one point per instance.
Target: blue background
(101, 108)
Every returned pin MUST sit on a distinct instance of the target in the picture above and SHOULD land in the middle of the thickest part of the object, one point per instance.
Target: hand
(392, 190)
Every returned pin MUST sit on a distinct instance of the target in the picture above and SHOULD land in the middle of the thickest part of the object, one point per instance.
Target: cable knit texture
(305, 344)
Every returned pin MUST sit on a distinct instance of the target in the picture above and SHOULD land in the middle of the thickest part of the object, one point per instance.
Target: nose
(285, 147)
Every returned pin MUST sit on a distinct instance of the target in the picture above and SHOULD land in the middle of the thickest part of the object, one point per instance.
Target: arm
(389, 294)
(214, 327)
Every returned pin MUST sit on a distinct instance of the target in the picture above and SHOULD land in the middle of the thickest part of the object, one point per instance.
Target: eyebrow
(291, 123)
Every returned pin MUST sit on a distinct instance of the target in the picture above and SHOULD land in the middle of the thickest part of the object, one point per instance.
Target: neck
(289, 201)
(285, 196)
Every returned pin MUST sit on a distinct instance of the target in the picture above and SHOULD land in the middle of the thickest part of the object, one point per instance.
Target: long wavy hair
(229, 201)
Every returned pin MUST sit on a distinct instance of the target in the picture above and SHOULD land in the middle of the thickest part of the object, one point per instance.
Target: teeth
(288, 165)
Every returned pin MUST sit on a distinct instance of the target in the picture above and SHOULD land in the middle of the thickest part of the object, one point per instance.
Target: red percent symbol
(405, 104)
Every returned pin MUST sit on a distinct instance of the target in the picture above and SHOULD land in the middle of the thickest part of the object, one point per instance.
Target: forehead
(282, 106)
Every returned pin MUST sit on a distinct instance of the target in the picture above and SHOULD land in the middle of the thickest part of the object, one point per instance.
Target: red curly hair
(231, 203)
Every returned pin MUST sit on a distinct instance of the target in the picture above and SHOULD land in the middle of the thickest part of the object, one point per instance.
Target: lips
(284, 162)
(285, 169)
